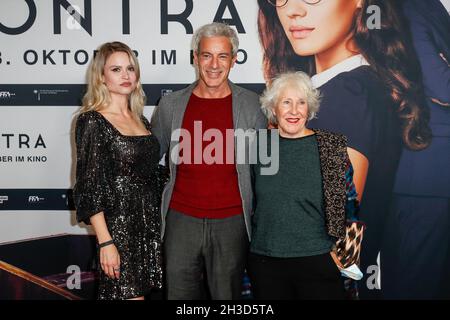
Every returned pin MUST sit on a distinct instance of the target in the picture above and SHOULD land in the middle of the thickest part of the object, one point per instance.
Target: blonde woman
(117, 181)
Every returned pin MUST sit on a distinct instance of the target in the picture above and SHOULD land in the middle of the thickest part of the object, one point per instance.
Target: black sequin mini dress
(120, 176)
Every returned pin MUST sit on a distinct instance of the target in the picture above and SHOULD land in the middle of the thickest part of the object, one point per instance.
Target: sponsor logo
(3, 198)
(6, 94)
(51, 92)
(35, 199)
(165, 92)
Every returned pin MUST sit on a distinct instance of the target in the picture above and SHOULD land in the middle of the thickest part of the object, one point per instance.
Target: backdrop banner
(45, 49)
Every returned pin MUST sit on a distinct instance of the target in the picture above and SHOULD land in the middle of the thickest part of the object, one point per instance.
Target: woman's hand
(109, 256)
(110, 261)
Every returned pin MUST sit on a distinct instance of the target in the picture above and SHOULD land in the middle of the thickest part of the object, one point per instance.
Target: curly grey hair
(215, 29)
(298, 80)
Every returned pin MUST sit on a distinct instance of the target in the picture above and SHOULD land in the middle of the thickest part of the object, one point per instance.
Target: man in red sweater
(207, 204)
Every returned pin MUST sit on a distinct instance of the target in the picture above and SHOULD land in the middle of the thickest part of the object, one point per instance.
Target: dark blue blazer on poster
(427, 172)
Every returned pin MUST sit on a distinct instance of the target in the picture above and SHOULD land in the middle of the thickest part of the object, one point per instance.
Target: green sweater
(289, 219)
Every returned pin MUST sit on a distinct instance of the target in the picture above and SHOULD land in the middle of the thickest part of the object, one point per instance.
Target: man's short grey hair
(296, 80)
(215, 29)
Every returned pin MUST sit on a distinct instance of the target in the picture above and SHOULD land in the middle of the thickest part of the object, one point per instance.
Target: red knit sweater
(204, 189)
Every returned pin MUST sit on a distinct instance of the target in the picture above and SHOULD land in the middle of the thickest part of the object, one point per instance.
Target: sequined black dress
(120, 176)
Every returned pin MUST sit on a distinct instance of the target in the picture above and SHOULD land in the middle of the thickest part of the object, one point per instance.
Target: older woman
(300, 210)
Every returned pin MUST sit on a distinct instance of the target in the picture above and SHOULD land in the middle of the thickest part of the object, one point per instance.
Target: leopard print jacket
(334, 163)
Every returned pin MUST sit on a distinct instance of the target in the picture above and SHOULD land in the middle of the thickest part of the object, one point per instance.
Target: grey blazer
(168, 116)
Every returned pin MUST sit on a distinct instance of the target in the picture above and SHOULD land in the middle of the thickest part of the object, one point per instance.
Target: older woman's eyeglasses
(282, 3)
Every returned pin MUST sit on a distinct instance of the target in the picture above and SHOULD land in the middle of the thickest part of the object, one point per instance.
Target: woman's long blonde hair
(97, 95)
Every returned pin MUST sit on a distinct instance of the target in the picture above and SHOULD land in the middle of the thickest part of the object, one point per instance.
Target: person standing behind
(206, 208)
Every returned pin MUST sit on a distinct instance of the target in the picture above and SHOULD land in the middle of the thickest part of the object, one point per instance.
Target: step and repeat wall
(45, 49)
